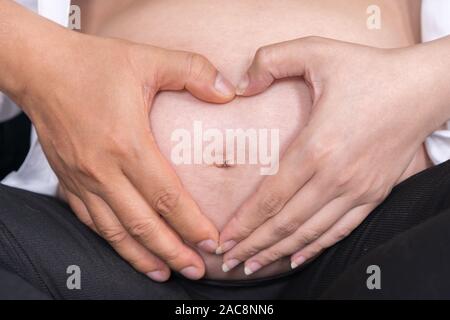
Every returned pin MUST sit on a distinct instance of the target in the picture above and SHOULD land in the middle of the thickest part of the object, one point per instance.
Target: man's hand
(92, 118)
(90, 100)
(372, 109)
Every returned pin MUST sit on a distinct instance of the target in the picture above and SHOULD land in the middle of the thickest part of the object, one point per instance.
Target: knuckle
(319, 44)
(342, 232)
(284, 226)
(319, 150)
(264, 56)
(250, 251)
(197, 65)
(88, 170)
(142, 263)
(142, 229)
(361, 193)
(86, 220)
(373, 190)
(172, 255)
(315, 250)
(343, 179)
(274, 255)
(381, 192)
(306, 237)
(311, 235)
(89, 223)
(379, 195)
(121, 146)
(313, 39)
(270, 204)
(137, 263)
(92, 173)
(166, 200)
(114, 235)
(241, 229)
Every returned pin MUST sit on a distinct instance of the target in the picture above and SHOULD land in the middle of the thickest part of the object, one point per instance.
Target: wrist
(45, 65)
(432, 65)
(28, 43)
(424, 71)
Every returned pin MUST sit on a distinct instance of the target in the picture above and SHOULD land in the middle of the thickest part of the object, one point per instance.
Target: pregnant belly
(228, 33)
(221, 152)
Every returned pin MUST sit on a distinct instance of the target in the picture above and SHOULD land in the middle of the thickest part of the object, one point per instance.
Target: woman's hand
(90, 100)
(372, 109)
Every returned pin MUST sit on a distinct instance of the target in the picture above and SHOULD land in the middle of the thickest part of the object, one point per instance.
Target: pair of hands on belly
(94, 130)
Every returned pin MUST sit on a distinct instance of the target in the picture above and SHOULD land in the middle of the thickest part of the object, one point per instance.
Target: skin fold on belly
(228, 33)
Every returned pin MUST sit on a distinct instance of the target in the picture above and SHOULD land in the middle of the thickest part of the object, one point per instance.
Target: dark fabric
(416, 265)
(12, 287)
(40, 238)
(411, 203)
(14, 143)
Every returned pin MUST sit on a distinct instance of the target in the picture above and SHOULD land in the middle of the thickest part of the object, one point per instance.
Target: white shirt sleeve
(435, 25)
(8, 109)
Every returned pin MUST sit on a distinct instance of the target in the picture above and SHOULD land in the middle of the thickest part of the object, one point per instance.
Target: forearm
(26, 41)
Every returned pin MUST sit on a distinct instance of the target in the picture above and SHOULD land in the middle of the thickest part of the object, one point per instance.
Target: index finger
(270, 198)
(144, 225)
(156, 180)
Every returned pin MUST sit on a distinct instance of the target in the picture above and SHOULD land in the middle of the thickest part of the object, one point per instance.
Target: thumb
(178, 70)
(281, 60)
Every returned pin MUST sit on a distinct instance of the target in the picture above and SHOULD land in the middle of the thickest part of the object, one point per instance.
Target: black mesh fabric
(40, 237)
(14, 143)
(410, 204)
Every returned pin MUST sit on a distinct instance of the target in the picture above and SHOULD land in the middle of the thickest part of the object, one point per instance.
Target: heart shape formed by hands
(265, 233)
(280, 112)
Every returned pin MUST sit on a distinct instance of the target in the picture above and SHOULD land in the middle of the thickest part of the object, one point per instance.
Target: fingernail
(208, 245)
(191, 272)
(225, 247)
(252, 267)
(230, 264)
(223, 85)
(242, 86)
(297, 262)
(157, 275)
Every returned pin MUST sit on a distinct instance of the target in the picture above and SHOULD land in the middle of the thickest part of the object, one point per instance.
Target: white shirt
(436, 24)
(36, 175)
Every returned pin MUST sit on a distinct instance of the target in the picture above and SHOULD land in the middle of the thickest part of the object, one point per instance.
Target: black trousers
(407, 237)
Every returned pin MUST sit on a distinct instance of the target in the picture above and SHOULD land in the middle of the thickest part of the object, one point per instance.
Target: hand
(90, 103)
(371, 112)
